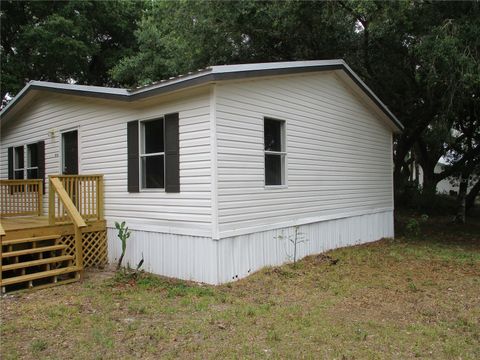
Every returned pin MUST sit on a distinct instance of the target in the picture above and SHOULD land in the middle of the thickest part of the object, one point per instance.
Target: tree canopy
(65, 40)
(422, 58)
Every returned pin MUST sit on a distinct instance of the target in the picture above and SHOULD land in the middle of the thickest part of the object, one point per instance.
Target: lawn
(415, 296)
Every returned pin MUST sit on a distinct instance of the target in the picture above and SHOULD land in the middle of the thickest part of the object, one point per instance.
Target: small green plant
(273, 335)
(412, 286)
(295, 239)
(123, 235)
(413, 225)
(38, 345)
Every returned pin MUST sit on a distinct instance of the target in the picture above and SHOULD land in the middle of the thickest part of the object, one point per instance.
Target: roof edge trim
(212, 74)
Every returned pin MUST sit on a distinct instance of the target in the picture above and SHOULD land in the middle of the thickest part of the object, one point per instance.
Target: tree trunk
(470, 198)
(429, 180)
(461, 199)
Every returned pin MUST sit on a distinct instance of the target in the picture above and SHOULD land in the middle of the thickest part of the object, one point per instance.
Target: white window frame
(15, 169)
(28, 158)
(283, 154)
(141, 154)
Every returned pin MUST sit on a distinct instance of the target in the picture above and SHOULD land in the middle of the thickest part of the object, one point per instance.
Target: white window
(152, 154)
(275, 152)
(32, 161)
(18, 163)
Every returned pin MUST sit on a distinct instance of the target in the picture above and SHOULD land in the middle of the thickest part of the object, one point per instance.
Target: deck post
(78, 250)
(100, 203)
(40, 198)
(51, 202)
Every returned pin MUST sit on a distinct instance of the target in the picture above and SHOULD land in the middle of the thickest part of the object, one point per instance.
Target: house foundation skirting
(219, 261)
(178, 256)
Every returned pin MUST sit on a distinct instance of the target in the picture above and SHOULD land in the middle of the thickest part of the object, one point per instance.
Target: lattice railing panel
(69, 241)
(94, 247)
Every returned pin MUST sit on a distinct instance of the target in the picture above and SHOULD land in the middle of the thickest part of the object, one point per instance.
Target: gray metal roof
(203, 76)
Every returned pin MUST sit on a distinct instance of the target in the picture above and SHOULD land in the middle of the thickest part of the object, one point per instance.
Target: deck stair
(33, 262)
(38, 251)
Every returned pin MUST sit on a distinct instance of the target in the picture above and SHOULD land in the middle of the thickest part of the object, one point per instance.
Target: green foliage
(38, 345)
(65, 40)
(177, 37)
(413, 225)
(123, 234)
(416, 199)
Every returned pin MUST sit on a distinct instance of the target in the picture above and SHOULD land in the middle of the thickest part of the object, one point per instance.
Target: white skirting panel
(241, 255)
(179, 256)
(219, 261)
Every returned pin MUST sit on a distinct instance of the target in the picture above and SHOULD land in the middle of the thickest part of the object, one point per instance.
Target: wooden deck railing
(21, 197)
(86, 193)
(65, 202)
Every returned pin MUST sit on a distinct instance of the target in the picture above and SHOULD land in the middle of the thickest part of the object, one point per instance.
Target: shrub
(414, 198)
(413, 226)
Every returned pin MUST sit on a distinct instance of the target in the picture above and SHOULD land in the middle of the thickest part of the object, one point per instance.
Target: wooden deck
(21, 227)
(24, 222)
(38, 251)
(11, 224)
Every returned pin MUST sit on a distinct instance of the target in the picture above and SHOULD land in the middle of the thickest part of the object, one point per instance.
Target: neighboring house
(215, 171)
(448, 186)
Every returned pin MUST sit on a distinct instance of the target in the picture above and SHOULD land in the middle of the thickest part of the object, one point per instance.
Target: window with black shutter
(153, 154)
(27, 162)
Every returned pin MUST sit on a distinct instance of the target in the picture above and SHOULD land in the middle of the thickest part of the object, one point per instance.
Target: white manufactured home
(216, 171)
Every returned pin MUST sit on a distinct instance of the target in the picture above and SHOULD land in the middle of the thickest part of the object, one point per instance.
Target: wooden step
(39, 275)
(26, 264)
(33, 250)
(32, 239)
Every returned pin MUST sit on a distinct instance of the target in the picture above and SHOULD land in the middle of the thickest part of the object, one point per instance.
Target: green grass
(403, 298)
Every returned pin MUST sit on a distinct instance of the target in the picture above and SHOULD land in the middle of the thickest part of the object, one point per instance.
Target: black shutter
(41, 161)
(133, 161)
(10, 163)
(172, 167)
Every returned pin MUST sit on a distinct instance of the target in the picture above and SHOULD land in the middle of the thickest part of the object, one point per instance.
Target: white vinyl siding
(339, 153)
(102, 129)
(339, 159)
